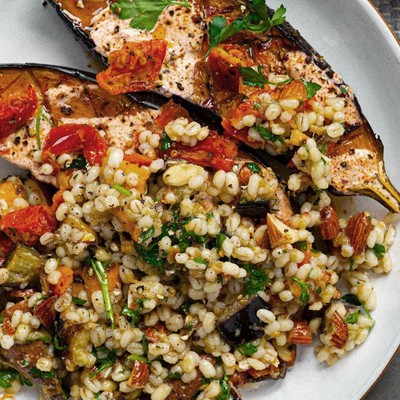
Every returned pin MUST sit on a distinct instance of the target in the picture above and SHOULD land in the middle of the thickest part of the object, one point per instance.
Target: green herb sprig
(144, 13)
(101, 275)
(256, 21)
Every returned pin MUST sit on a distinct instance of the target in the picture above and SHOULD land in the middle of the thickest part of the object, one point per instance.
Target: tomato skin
(94, 146)
(169, 112)
(15, 113)
(133, 68)
(224, 61)
(28, 224)
(215, 151)
(139, 159)
(70, 138)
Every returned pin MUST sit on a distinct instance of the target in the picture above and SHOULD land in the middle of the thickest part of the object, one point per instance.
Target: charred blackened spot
(370, 156)
(180, 86)
(352, 152)
(171, 13)
(66, 110)
(17, 140)
(196, 19)
(116, 29)
(25, 143)
(343, 164)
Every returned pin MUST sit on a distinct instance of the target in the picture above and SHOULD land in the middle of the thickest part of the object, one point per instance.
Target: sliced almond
(340, 332)
(45, 311)
(300, 333)
(139, 375)
(329, 228)
(357, 230)
(279, 233)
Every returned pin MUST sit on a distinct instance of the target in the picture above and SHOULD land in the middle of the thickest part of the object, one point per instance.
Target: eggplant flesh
(373, 180)
(242, 324)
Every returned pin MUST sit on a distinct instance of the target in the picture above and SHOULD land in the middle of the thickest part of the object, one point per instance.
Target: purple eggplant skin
(242, 324)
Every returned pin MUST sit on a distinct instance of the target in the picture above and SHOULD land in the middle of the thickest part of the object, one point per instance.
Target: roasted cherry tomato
(16, 112)
(215, 151)
(133, 68)
(28, 224)
(224, 61)
(169, 112)
(71, 138)
(294, 90)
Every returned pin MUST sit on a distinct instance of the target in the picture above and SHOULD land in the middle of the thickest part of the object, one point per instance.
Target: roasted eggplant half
(236, 76)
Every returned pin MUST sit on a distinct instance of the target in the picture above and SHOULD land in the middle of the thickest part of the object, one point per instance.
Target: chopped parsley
(225, 389)
(105, 363)
(7, 377)
(201, 260)
(247, 349)
(173, 376)
(78, 163)
(166, 142)
(256, 21)
(221, 237)
(352, 318)
(379, 250)
(343, 89)
(144, 13)
(134, 314)
(37, 373)
(266, 134)
(78, 301)
(146, 235)
(134, 357)
(253, 167)
(39, 117)
(255, 280)
(305, 288)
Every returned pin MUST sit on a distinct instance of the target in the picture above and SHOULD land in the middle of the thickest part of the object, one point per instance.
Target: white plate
(356, 42)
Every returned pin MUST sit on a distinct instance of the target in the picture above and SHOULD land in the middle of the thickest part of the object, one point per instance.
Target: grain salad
(149, 281)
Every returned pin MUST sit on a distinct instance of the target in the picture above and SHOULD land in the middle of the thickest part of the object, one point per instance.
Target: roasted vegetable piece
(28, 224)
(16, 111)
(241, 324)
(48, 383)
(133, 68)
(23, 264)
(70, 138)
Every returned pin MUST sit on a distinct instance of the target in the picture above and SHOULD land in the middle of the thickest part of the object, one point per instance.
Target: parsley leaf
(105, 363)
(134, 314)
(78, 301)
(305, 287)
(266, 134)
(146, 235)
(311, 88)
(134, 357)
(144, 13)
(166, 142)
(256, 21)
(201, 260)
(173, 376)
(37, 373)
(253, 167)
(353, 299)
(352, 318)
(255, 280)
(379, 250)
(247, 349)
(220, 240)
(6, 377)
(252, 77)
(78, 163)
(225, 389)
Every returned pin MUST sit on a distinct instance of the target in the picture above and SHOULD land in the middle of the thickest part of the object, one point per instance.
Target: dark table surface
(388, 387)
